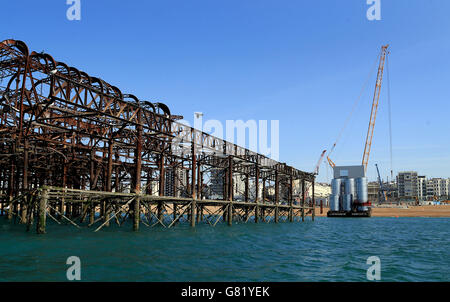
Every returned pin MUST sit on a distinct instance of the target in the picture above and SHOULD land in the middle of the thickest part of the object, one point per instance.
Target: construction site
(78, 151)
(349, 196)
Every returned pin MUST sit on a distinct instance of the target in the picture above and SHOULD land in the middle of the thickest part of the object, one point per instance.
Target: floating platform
(352, 214)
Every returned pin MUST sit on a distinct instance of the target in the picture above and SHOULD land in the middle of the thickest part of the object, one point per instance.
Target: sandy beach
(403, 211)
(410, 211)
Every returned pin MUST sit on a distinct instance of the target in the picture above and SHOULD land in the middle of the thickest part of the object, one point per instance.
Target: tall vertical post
(257, 193)
(23, 205)
(42, 211)
(223, 175)
(149, 189)
(175, 192)
(11, 182)
(109, 180)
(291, 199)
(263, 190)
(193, 184)
(263, 210)
(2, 200)
(247, 185)
(303, 199)
(162, 172)
(277, 196)
(92, 186)
(230, 191)
(64, 184)
(313, 215)
(117, 187)
(137, 174)
(199, 180)
(136, 213)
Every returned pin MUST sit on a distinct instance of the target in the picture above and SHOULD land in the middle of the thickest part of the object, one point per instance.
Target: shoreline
(436, 211)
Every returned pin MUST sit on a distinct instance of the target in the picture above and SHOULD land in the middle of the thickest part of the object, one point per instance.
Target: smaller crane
(382, 192)
(316, 170)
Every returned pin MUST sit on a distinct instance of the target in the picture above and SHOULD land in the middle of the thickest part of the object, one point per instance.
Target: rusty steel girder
(61, 127)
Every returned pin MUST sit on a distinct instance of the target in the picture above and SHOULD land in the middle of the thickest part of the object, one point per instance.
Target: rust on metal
(79, 146)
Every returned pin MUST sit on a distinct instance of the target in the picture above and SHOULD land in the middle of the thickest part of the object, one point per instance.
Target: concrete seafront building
(422, 187)
(373, 189)
(322, 191)
(408, 184)
(438, 187)
(411, 185)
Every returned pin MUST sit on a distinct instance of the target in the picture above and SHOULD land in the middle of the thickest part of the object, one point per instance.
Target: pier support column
(277, 196)
(62, 206)
(92, 214)
(23, 204)
(199, 213)
(277, 214)
(192, 210)
(136, 179)
(303, 200)
(107, 213)
(256, 193)
(230, 214)
(109, 171)
(291, 200)
(11, 183)
(313, 201)
(42, 212)
(230, 191)
(175, 211)
(136, 213)
(160, 211)
(263, 214)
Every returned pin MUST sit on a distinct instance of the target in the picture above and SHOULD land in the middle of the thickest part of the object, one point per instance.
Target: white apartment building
(422, 187)
(438, 187)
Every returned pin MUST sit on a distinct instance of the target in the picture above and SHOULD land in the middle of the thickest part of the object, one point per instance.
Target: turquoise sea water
(410, 249)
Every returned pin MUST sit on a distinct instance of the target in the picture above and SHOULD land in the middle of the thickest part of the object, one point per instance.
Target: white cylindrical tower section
(347, 202)
(336, 186)
(334, 203)
(350, 186)
(362, 192)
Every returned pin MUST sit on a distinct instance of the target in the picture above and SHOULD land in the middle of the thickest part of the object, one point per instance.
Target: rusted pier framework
(76, 150)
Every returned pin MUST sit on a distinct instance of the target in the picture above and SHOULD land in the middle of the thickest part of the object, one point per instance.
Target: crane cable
(354, 105)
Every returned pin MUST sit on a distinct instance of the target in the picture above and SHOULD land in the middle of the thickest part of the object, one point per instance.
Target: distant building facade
(438, 187)
(408, 184)
(373, 189)
(422, 187)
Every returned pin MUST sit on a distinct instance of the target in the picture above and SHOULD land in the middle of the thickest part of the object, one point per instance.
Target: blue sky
(300, 62)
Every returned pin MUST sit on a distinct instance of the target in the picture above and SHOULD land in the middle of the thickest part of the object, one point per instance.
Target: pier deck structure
(76, 150)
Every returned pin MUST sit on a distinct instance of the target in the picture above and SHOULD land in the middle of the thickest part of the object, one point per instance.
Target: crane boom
(331, 163)
(373, 114)
(316, 170)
